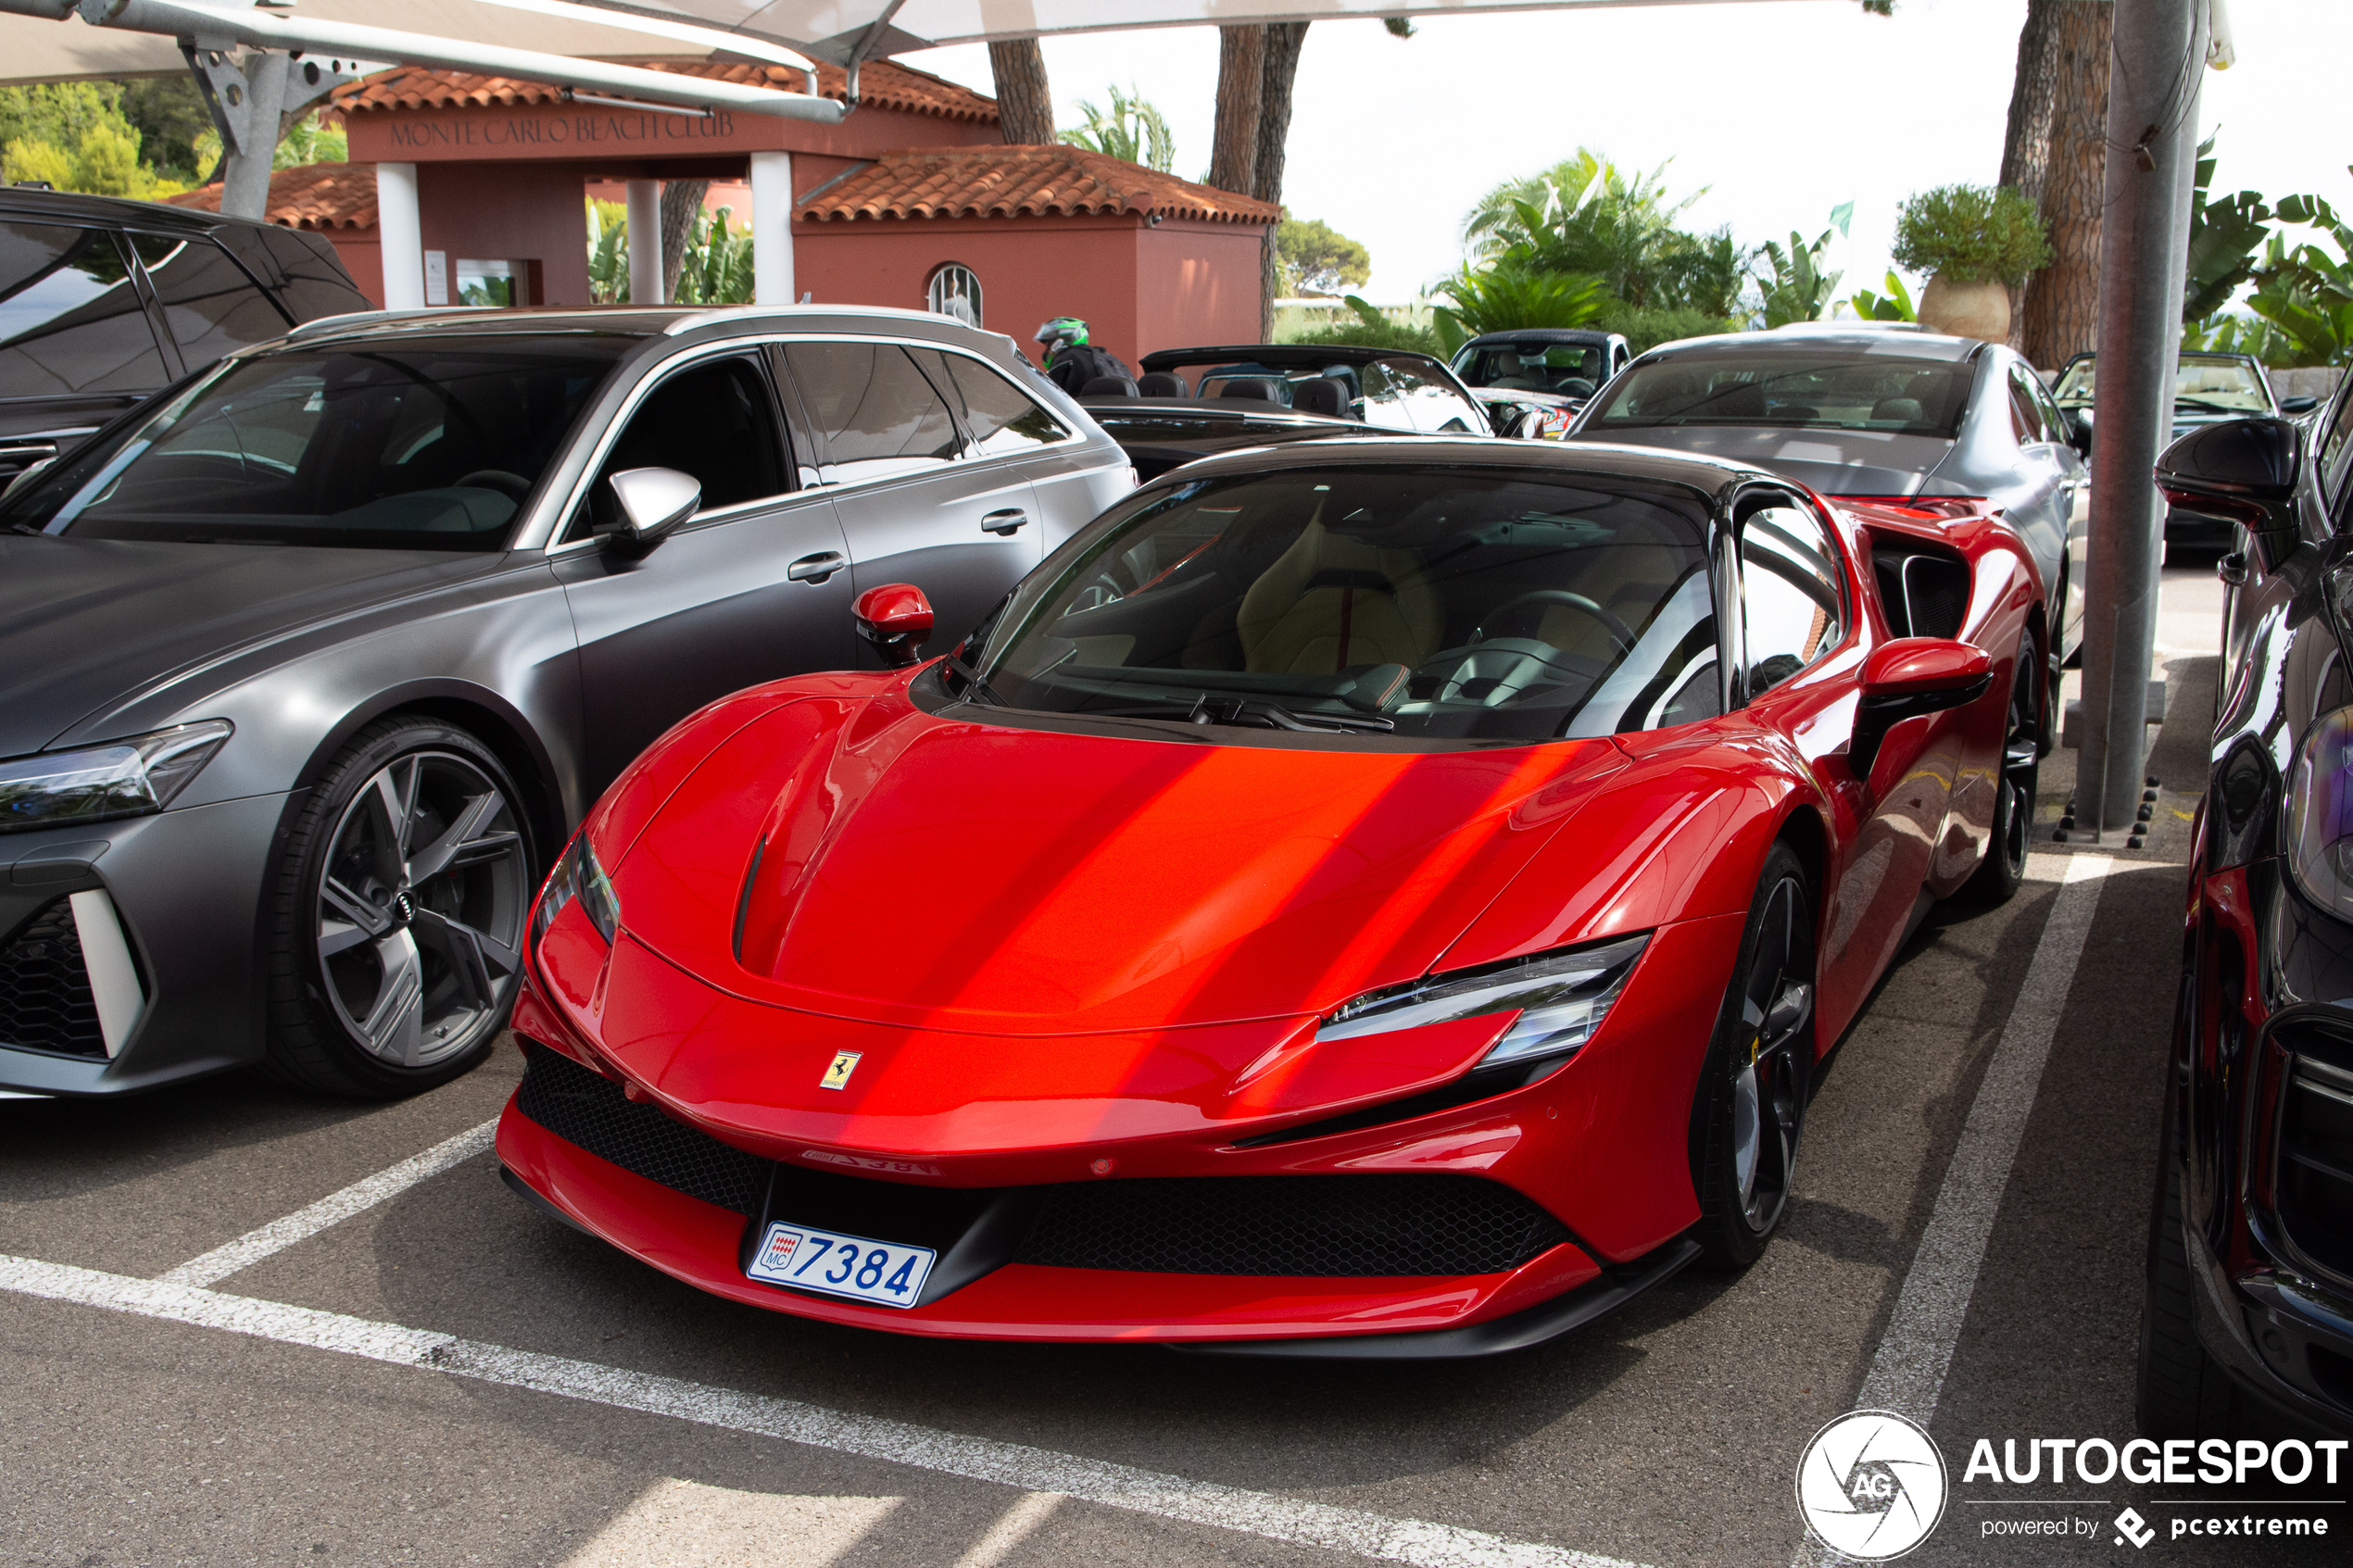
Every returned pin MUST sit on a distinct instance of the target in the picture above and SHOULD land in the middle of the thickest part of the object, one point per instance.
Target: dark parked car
(2250, 1261)
(308, 666)
(104, 302)
(1945, 425)
(2208, 389)
(1565, 361)
(1190, 403)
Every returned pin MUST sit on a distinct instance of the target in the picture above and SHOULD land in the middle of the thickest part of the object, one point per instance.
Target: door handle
(816, 568)
(1004, 524)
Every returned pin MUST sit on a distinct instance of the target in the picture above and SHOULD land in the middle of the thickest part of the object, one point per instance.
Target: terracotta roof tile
(314, 196)
(1018, 182)
(881, 84)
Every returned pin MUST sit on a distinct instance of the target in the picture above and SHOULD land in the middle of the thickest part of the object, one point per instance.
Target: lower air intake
(1331, 1225)
(45, 1003)
(589, 1109)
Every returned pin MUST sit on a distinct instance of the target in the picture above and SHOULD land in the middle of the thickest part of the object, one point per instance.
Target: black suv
(103, 302)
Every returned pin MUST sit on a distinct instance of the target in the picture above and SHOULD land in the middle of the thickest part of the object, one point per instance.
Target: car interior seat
(1329, 602)
(1109, 386)
(1320, 394)
(1905, 410)
(1636, 574)
(1161, 384)
(1742, 400)
(1251, 386)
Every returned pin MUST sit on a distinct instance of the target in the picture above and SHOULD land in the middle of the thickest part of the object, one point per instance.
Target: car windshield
(1447, 605)
(420, 446)
(1859, 390)
(1564, 368)
(2202, 383)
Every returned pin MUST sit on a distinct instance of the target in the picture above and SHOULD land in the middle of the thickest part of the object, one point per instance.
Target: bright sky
(1783, 111)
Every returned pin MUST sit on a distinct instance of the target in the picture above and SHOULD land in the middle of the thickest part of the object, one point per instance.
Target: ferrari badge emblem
(837, 1076)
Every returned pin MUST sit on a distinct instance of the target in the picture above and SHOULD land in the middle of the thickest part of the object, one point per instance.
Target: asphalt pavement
(239, 1325)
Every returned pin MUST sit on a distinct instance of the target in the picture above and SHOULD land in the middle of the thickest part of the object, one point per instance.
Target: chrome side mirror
(652, 502)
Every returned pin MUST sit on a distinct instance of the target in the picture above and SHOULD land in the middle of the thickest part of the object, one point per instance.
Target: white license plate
(807, 1259)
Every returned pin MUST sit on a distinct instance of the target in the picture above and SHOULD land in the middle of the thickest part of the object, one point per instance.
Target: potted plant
(1977, 243)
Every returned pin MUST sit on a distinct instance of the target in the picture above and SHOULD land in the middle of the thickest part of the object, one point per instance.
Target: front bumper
(184, 890)
(2285, 1339)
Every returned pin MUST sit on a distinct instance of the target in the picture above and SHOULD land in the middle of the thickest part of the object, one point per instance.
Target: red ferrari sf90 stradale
(1389, 902)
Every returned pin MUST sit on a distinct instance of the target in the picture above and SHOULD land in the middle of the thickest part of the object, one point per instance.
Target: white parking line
(1906, 1375)
(334, 1209)
(1265, 1514)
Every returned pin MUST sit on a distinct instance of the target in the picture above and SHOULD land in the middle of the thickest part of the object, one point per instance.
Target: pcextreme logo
(1871, 1485)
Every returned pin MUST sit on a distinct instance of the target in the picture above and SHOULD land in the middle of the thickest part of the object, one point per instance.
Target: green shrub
(1970, 235)
(1385, 334)
(1646, 330)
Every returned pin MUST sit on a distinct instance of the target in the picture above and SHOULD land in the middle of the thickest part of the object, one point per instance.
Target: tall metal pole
(2152, 154)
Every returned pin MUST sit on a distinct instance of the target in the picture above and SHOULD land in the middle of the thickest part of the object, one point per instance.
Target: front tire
(396, 931)
(1758, 1072)
(2180, 1391)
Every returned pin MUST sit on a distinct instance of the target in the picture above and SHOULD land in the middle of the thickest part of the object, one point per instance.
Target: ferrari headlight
(1561, 998)
(577, 876)
(2320, 814)
(98, 783)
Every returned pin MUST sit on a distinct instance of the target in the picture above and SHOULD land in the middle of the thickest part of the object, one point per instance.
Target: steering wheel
(511, 485)
(1620, 633)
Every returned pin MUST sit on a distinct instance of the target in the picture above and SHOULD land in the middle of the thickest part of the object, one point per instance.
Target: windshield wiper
(1212, 708)
(975, 684)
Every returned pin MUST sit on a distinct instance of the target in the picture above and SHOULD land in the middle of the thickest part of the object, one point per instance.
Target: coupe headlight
(577, 876)
(127, 778)
(2320, 814)
(1561, 998)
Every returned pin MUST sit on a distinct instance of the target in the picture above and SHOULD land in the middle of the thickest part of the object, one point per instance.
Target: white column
(400, 236)
(771, 228)
(645, 241)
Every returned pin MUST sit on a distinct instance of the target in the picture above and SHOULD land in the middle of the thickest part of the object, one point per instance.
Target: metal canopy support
(2154, 81)
(252, 100)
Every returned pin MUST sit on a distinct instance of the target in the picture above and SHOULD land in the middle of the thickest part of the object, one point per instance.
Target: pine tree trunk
(2063, 299)
(1024, 106)
(681, 201)
(1278, 71)
(1241, 65)
(2026, 142)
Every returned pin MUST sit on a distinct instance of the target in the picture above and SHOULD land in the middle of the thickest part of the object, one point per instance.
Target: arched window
(954, 291)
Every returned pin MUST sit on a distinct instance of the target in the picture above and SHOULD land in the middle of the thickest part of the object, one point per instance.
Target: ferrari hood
(86, 623)
(876, 863)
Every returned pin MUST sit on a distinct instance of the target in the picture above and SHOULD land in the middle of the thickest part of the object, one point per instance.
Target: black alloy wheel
(2003, 871)
(1753, 1085)
(400, 904)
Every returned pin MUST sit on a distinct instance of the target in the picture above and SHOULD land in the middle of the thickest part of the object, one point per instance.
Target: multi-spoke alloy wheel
(405, 892)
(1752, 1090)
(2004, 865)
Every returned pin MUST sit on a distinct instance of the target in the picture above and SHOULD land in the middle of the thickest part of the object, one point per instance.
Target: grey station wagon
(309, 666)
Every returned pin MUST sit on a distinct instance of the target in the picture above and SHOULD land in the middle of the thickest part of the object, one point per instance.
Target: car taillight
(1946, 507)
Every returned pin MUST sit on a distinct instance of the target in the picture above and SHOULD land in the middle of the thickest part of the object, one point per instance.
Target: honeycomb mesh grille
(45, 993)
(589, 1109)
(1340, 1226)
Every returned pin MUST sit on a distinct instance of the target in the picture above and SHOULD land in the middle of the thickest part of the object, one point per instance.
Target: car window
(1426, 400)
(314, 283)
(2053, 418)
(1570, 370)
(1001, 418)
(69, 319)
(715, 420)
(2337, 445)
(1829, 389)
(426, 445)
(876, 413)
(213, 307)
(1789, 594)
(2026, 413)
(1450, 604)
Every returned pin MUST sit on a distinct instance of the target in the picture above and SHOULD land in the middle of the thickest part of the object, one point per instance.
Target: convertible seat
(1329, 602)
(1629, 577)
(1320, 394)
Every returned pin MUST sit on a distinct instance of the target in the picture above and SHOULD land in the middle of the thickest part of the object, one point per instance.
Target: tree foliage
(1970, 235)
(1896, 305)
(1131, 130)
(1794, 283)
(73, 135)
(1316, 257)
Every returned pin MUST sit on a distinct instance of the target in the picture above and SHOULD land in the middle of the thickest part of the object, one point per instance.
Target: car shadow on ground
(52, 1149)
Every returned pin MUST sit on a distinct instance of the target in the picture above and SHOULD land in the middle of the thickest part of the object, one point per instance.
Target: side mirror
(896, 618)
(2299, 404)
(652, 501)
(2079, 431)
(1908, 676)
(2241, 471)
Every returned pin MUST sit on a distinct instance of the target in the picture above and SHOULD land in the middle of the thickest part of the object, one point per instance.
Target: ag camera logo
(1871, 1485)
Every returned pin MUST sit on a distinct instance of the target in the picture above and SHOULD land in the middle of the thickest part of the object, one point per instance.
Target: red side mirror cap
(896, 618)
(1917, 666)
